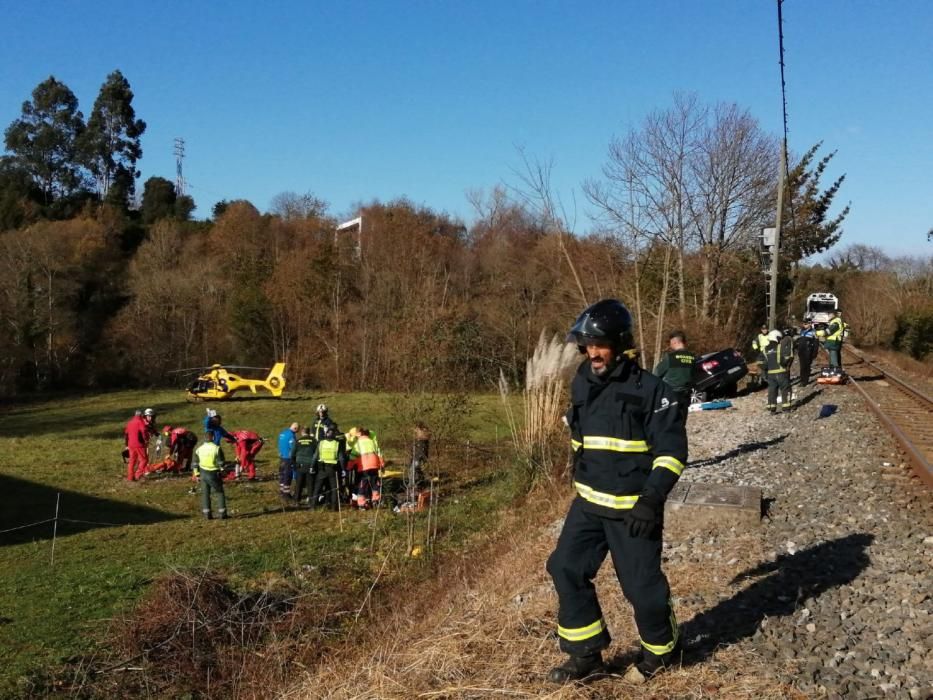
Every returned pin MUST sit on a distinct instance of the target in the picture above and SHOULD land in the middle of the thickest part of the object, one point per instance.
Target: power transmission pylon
(179, 177)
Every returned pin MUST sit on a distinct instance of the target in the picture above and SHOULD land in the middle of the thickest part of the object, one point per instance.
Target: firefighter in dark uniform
(676, 369)
(630, 447)
(778, 357)
(807, 348)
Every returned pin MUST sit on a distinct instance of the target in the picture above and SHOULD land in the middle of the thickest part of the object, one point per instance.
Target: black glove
(645, 516)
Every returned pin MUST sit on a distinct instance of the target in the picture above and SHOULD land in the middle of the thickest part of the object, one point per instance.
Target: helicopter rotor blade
(243, 367)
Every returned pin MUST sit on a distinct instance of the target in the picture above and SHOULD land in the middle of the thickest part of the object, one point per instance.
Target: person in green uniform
(207, 465)
(835, 335)
(676, 369)
(305, 466)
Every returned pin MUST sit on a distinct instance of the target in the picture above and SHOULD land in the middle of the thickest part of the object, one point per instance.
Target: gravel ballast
(841, 603)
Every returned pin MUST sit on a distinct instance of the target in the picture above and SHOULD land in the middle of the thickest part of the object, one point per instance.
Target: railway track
(906, 411)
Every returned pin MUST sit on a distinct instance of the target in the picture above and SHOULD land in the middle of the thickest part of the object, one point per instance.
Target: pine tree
(44, 139)
(110, 146)
(806, 229)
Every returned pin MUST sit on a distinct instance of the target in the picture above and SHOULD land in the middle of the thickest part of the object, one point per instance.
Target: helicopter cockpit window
(199, 386)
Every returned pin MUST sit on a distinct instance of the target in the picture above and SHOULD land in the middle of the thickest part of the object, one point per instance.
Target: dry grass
(905, 365)
(540, 437)
(193, 635)
(487, 630)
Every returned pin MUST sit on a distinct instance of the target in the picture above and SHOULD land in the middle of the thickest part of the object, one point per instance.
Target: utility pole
(776, 247)
(179, 177)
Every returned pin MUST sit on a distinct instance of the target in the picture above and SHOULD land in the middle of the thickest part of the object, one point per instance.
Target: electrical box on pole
(767, 237)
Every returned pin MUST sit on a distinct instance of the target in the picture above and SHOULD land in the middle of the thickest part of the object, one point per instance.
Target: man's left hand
(645, 516)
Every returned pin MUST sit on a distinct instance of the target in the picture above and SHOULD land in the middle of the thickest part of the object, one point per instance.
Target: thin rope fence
(55, 520)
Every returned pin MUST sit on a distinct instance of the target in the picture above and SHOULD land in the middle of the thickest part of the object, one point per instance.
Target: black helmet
(606, 321)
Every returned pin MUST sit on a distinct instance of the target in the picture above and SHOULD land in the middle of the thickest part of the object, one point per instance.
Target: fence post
(58, 498)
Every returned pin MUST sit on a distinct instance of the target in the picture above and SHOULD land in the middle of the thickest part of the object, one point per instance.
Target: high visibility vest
(353, 448)
(761, 343)
(840, 327)
(369, 455)
(327, 451)
(207, 456)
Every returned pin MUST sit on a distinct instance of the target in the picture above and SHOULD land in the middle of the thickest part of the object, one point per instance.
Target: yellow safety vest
(353, 446)
(761, 343)
(840, 326)
(327, 451)
(207, 456)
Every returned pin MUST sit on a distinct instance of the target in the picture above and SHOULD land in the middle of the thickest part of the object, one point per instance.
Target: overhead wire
(790, 193)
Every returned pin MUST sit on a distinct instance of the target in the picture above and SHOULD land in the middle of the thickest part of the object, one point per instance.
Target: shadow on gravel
(786, 584)
(807, 399)
(735, 452)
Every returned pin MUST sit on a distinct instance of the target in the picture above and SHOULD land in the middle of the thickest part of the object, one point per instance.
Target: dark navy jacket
(628, 437)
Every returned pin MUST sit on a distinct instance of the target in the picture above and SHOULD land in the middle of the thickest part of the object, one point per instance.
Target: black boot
(576, 668)
(652, 664)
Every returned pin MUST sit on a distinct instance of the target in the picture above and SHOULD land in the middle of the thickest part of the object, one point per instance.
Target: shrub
(914, 333)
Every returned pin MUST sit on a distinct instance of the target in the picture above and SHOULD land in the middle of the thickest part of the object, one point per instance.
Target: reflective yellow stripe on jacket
(668, 462)
(598, 442)
(578, 634)
(607, 500)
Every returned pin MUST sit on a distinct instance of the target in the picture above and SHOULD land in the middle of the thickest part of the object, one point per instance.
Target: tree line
(100, 288)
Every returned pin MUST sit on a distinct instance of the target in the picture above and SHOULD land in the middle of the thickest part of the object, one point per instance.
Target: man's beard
(604, 368)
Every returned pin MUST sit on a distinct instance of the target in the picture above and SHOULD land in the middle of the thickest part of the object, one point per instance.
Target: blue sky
(361, 100)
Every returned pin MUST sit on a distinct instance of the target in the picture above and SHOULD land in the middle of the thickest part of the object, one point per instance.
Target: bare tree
(735, 177)
(647, 194)
(537, 193)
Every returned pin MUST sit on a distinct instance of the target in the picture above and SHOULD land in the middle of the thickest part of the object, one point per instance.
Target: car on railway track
(718, 374)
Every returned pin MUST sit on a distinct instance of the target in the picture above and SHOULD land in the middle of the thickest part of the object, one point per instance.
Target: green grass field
(134, 532)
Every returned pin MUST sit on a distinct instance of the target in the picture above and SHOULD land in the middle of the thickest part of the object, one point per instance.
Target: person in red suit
(180, 443)
(137, 432)
(248, 445)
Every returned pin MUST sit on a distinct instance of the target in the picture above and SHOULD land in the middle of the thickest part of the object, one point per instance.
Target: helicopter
(219, 383)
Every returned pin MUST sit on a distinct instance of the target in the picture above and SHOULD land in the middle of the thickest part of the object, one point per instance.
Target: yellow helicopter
(219, 383)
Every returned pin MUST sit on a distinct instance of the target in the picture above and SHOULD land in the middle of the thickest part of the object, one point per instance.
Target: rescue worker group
(629, 446)
(318, 465)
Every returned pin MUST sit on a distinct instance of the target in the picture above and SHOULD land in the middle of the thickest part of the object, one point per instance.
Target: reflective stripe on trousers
(578, 634)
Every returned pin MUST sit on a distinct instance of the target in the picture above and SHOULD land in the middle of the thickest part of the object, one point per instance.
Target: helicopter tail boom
(276, 379)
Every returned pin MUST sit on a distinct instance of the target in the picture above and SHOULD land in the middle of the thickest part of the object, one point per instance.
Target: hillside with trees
(105, 286)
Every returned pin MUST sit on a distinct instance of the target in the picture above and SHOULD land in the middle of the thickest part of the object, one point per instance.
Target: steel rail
(926, 398)
(922, 467)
